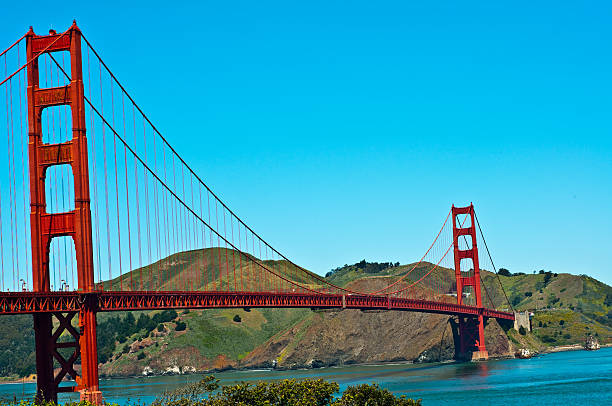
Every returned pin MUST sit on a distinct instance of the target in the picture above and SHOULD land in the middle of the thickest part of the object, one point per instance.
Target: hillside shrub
(547, 339)
(504, 272)
(547, 276)
(141, 355)
(165, 316)
(522, 330)
(160, 327)
(180, 326)
(528, 294)
(237, 319)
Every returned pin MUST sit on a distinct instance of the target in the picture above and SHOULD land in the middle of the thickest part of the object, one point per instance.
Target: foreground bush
(288, 392)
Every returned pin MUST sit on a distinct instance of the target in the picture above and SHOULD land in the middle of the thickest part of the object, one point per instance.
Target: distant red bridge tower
(471, 330)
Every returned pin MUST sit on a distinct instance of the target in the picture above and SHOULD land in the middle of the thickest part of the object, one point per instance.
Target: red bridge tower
(471, 330)
(76, 224)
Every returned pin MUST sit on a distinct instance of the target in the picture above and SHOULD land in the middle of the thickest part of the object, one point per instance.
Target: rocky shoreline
(176, 370)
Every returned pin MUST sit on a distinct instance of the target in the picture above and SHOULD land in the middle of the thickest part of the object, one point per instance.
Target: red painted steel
(76, 224)
(53, 302)
(471, 334)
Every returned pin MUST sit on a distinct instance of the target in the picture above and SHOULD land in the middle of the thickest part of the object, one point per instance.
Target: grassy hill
(567, 307)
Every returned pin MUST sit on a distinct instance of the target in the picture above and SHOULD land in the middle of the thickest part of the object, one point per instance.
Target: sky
(345, 130)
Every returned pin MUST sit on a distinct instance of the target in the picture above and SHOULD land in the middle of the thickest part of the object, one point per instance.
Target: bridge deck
(30, 302)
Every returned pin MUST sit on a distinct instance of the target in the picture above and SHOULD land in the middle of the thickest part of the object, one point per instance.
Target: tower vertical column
(75, 224)
(471, 331)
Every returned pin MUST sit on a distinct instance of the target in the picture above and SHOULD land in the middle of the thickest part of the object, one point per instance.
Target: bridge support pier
(43, 327)
(50, 351)
(471, 339)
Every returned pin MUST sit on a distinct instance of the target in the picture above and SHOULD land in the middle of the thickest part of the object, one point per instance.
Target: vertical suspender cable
(94, 183)
(147, 215)
(117, 190)
(108, 244)
(127, 198)
(137, 200)
(23, 173)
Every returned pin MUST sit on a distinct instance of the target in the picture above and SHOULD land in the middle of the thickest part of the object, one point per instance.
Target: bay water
(564, 378)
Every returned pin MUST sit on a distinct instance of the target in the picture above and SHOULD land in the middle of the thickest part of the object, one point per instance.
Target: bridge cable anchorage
(491, 259)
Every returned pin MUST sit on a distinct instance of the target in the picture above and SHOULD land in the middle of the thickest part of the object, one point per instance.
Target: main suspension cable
(491, 258)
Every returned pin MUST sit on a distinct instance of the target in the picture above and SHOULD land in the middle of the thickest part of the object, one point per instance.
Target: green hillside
(567, 307)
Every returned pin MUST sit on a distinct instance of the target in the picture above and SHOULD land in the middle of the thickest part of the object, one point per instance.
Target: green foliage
(180, 326)
(212, 332)
(160, 327)
(547, 276)
(145, 323)
(116, 328)
(4, 402)
(504, 272)
(522, 331)
(563, 327)
(237, 318)
(17, 346)
(363, 266)
(528, 294)
(141, 355)
(165, 316)
(373, 395)
(190, 394)
(288, 392)
(547, 339)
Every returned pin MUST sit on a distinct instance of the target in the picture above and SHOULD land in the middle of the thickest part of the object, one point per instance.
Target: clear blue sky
(345, 130)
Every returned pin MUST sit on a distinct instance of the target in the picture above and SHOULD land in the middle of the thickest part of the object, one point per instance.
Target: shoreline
(549, 350)
(570, 347)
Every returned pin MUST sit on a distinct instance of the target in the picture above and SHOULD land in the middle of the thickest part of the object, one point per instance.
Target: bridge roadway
(57, 302)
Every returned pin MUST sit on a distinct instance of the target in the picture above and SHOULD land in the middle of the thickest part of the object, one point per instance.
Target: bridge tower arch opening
(465, 247)
(47, 224)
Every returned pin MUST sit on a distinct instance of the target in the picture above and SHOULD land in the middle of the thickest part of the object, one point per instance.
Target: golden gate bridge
(99, 213)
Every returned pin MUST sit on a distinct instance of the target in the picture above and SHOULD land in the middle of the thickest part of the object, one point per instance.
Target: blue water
(574, 377)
